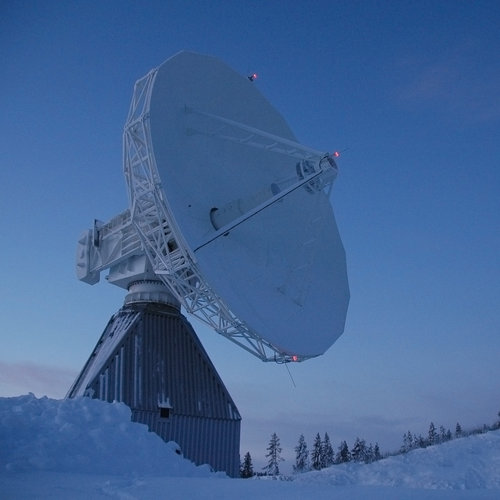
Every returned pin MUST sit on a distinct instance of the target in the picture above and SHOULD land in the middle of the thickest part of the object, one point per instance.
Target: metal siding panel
(158, 356)
(122, 364)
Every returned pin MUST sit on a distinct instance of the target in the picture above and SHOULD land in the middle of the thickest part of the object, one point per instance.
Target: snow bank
(84, 448)
(471, 463)
(83, 435)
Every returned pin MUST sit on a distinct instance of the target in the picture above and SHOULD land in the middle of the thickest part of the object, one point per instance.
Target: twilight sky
(411, 91)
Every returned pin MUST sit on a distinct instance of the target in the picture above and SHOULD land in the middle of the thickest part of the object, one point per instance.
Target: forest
(323, 455)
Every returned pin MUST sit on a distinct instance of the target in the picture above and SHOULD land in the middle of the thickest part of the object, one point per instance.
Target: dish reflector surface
(281, 271)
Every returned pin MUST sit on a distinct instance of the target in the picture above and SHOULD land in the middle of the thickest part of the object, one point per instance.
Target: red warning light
(295, 357)
(253, 77)
(336, 154)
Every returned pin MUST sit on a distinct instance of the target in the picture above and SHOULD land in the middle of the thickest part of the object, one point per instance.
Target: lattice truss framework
(150, 221)
(162, 240)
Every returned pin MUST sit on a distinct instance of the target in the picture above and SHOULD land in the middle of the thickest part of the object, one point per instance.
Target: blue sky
(409, 89)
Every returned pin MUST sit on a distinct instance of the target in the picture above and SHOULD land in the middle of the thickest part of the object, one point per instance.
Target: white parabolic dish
(281, 271)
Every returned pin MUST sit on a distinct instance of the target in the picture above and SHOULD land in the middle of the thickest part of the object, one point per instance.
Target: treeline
(441, 435)
(323, 455)
(412, 441)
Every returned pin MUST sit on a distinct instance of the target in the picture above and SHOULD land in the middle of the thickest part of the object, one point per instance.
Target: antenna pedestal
(151, 291)
(150, 359)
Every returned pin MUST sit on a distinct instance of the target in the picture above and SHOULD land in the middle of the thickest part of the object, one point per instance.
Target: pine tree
(301, 456)
(458, 430)
(274, 456)
(316, 453)
(327, 455)
(376, 452)
(343, 454)
(246, 469)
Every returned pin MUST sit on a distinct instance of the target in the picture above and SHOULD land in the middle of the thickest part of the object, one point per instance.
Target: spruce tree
(372, 453)
(458, 430)
(343, 454)
(316, 453)
(403, 448)
(442, 434)
(420, 441)
(369, 454)
(327, 455)
(408, 442)
(301, 456)
(274, 456)
(246, 469)
(432, 436)
(358, 452)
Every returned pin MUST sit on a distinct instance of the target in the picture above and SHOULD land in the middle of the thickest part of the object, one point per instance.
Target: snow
(464, 464)
(83, 435)
(88, 449)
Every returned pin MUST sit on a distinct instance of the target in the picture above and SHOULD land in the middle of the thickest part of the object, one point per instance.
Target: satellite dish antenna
(228, 211)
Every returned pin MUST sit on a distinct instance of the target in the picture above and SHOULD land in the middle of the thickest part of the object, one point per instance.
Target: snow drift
(462, 464)
(83, 435)
(84, 448)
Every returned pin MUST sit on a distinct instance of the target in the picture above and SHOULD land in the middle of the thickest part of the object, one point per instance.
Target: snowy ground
(87, 449)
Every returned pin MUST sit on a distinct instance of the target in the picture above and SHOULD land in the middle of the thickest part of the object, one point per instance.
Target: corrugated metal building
(150, 358)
